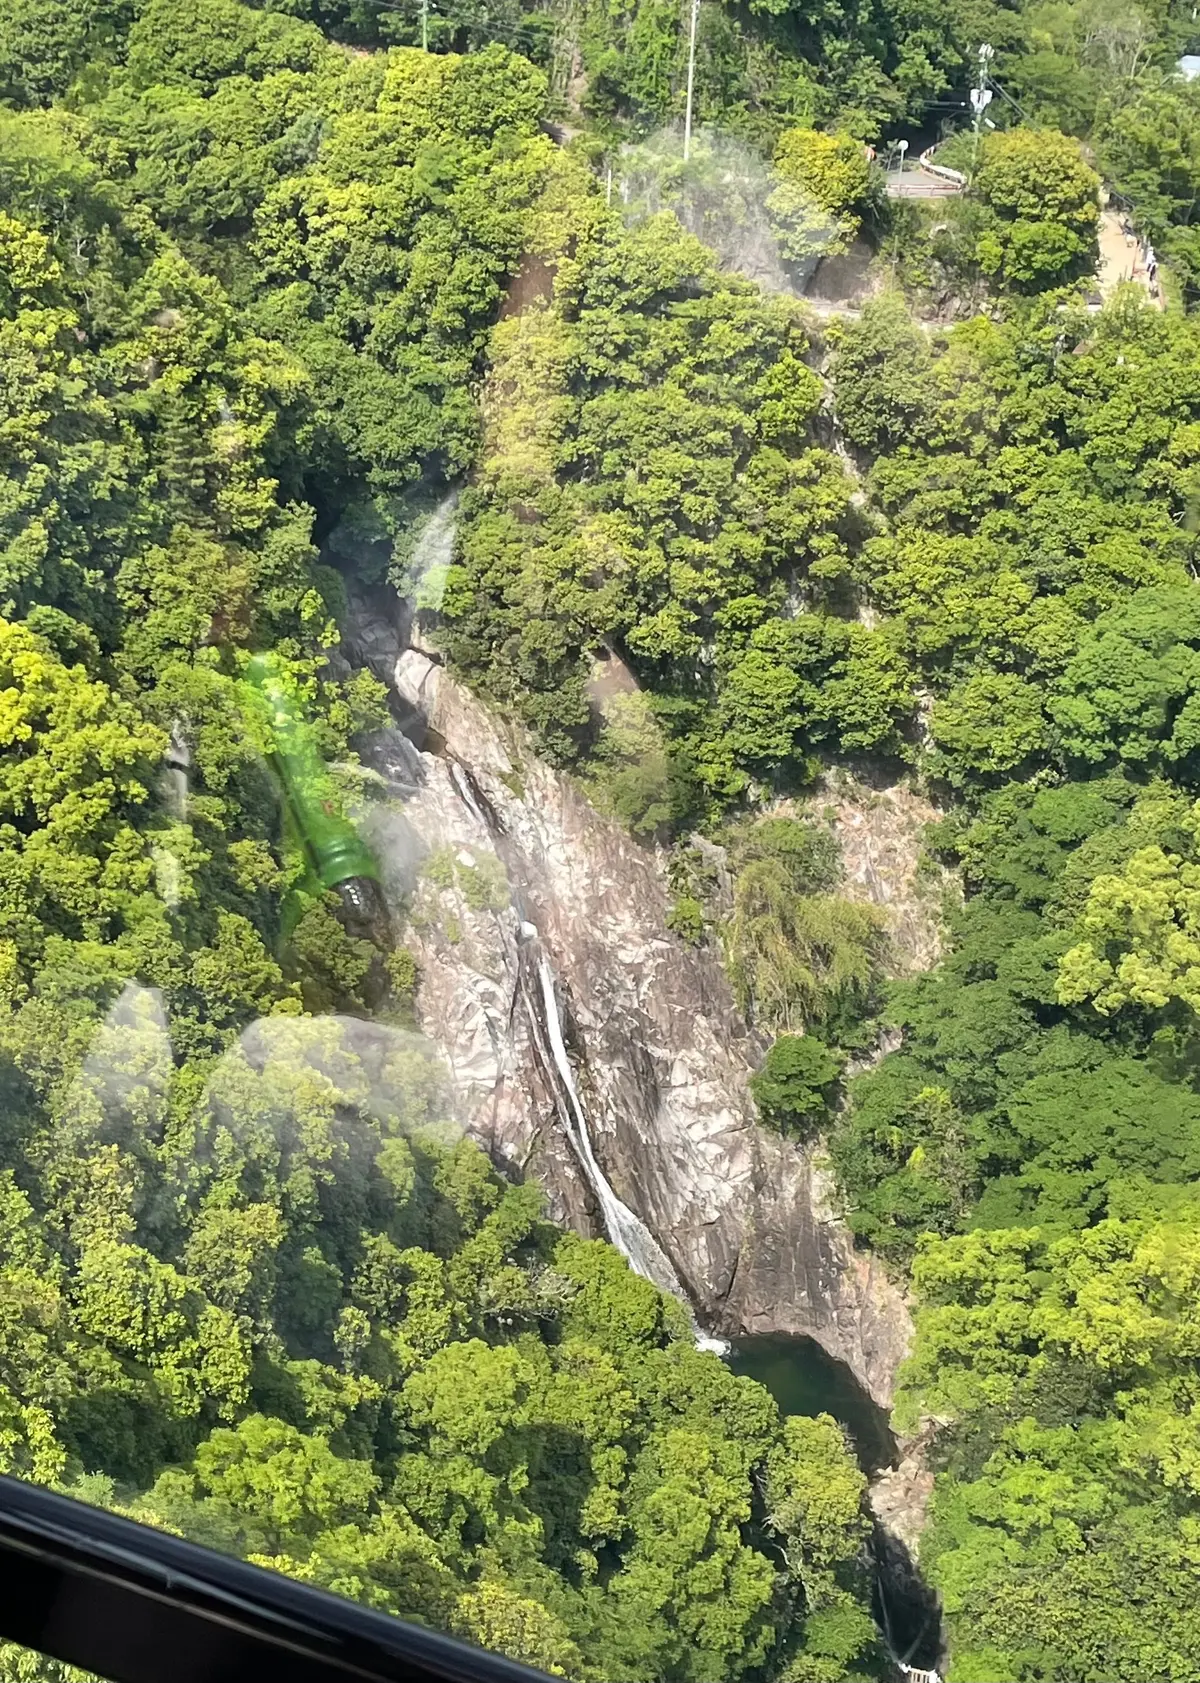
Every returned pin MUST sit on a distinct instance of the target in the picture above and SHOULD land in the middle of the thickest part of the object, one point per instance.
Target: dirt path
(1117, 254)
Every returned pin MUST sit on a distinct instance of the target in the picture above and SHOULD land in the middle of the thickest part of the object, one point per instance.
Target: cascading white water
(432, 550)
(630, 1235)
(627, 1231)
(462, 788)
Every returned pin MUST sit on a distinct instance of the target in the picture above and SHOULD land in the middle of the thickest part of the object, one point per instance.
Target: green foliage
(1137, 929)
(794, 1088)
(799, 958)
(1128, 692)
(636, 775)
(652, 486)
(1042, 200)
(824, 187)
(1041, 1165)
(685, 917)
(757, 72)
(991, 722)
(455, 883)
(250, 302)
(372, 1364)
(265, 1481)
(1038, 588)
(805, 853)
(253, 1287)
(881, 361)
(403, 974)
(42, 52)
(998, 1089)
(1149, 146)
(493, 1616)
(1061, 1368)
(220, 39)
(814, 1502)
(334, 966)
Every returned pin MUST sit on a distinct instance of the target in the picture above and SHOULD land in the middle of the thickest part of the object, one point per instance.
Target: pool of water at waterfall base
(804, 1379)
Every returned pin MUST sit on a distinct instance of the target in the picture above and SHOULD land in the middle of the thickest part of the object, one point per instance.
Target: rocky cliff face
(879, 833)
(508, 869)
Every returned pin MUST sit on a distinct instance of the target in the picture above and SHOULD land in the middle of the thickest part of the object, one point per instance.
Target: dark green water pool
(804, 1380)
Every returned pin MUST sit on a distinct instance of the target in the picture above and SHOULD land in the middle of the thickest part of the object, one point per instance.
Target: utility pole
(981, 98)
(424, 26)
(691, 81)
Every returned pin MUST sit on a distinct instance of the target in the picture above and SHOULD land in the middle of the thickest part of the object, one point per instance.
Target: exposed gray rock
(661, 1055)
(376, 627)
(881, 833)
(900, 1496)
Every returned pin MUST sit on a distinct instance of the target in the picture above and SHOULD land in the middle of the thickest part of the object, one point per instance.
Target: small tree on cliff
(796, 1087)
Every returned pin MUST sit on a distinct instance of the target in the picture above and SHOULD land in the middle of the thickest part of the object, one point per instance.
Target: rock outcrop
(497, 855)
(880, 833)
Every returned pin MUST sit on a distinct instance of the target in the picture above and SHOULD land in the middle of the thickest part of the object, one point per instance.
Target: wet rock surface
(494, 850)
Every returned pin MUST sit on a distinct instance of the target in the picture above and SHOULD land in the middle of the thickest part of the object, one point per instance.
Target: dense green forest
(256, 1290)
(252, 264)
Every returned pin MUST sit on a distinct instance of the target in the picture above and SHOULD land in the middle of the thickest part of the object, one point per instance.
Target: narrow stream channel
(803, 1379)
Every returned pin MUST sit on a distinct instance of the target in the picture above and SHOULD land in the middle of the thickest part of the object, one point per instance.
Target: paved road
(1122, 259)
(913, 182)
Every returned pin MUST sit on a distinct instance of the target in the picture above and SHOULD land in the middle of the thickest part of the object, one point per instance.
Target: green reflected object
(337, 856)
(336, 850)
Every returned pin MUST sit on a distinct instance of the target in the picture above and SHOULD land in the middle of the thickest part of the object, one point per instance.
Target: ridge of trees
(250, 276)
(255, 1288)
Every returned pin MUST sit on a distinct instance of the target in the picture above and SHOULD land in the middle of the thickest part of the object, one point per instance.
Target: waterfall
(461, 779)
(627, 1231)
(630, 1235)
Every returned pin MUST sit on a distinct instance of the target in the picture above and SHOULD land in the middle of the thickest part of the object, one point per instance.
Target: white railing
(959, 180)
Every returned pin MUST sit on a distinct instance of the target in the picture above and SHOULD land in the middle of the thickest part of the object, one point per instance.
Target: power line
(1019, 109)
